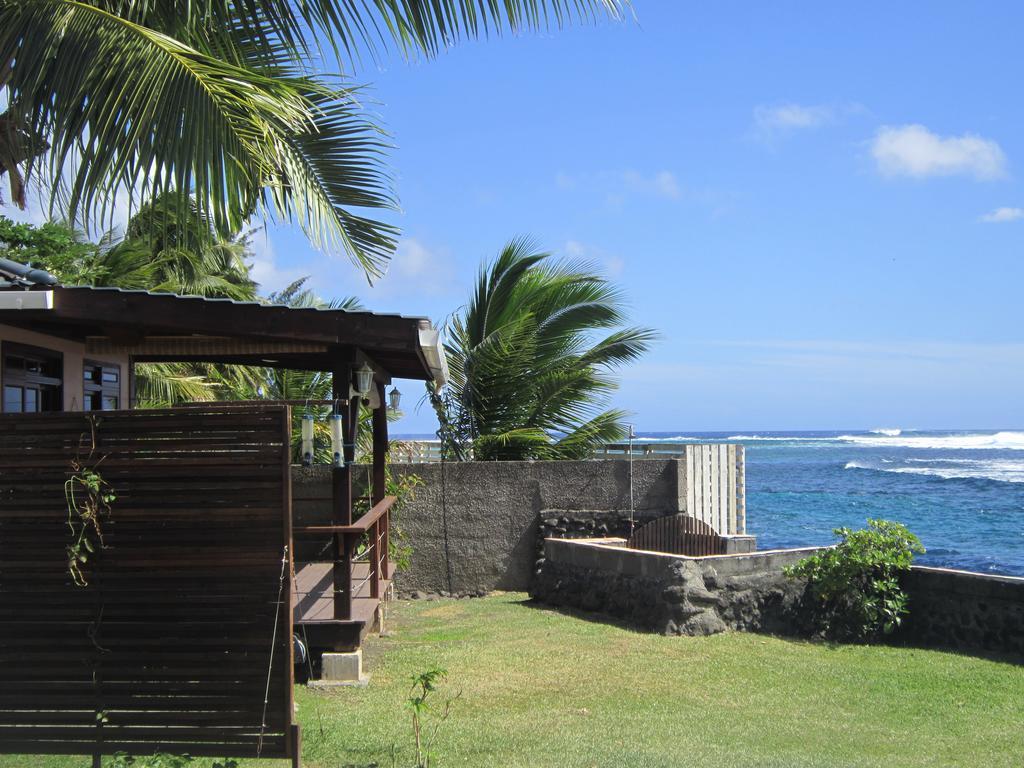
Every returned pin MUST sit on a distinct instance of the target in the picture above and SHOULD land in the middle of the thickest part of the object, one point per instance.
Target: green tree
(51, 246)
(532, 358)
(224, 101)
(161, 252)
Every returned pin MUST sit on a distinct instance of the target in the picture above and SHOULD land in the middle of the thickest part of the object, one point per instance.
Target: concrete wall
(74, 355)
(473, 526)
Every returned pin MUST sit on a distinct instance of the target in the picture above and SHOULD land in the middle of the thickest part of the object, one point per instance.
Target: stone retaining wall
(963, 610)
(668, 593)
(698, 596)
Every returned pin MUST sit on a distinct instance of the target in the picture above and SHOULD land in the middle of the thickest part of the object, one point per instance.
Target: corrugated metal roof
(5, 285)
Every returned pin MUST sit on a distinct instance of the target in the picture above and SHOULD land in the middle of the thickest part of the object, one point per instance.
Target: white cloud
(416, 270)
(1001, 215)
(610, 264)
(617, 186)
(786, 117)
(666, 185)
(661, 183)
(913, 150)
(264, 268)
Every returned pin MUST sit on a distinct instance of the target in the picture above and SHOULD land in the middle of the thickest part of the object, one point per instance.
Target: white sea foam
(676, 439)
(887, 432)
(752, 438)
(1004, 441)
(1003, 470)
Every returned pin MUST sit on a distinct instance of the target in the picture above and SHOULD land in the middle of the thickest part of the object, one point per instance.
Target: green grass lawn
(542, 688)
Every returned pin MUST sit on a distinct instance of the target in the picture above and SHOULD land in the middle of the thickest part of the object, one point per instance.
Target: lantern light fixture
(394, 399)
(364, 380)
(337, 440)
(307, 440)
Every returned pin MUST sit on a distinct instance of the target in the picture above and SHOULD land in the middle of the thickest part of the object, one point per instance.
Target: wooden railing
(373, 529)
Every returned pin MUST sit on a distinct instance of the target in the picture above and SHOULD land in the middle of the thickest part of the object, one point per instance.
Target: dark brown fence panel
(678, 535)
(185, 625)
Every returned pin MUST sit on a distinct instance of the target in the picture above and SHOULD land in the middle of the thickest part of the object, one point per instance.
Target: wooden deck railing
(373, 529)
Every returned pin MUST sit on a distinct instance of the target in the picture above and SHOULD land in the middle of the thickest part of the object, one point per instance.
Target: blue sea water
(962, 493)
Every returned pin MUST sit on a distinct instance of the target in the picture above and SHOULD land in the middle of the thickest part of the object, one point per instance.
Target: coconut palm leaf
(221, 100)
(531, 360)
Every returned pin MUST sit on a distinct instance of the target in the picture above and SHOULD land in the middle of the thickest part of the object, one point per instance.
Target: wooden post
(380, 481)
(341, 493)
(380, 446)
(296, 745)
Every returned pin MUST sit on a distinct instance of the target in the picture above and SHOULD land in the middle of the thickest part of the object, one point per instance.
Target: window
(32, 379)
(101, 386)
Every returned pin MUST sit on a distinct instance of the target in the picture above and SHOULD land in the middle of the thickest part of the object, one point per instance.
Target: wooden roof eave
(128, 319)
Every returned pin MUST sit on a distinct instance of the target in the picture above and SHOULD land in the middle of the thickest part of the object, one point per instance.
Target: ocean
(962, 493)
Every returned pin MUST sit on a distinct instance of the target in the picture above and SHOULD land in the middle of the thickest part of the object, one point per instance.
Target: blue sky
(793, 194)
(819, 206)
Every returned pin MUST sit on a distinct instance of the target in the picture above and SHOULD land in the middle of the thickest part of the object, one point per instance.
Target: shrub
(853, 589)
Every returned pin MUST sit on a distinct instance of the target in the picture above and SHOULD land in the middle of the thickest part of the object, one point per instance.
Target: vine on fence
(88, 498)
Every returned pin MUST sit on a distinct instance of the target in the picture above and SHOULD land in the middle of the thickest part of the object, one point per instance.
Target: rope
(631, 434)
(309, 665)
(273, 645)
(444, 523)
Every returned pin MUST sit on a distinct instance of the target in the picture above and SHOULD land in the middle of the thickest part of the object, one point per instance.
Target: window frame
(102, 388)
(47, 388)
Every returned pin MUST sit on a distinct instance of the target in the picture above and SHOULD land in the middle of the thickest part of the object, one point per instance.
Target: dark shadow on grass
(594, 617)
(597, 617)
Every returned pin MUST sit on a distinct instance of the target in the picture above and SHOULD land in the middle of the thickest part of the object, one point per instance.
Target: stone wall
(963, 610)
(473, 526)
(698, 596)
(668, 593)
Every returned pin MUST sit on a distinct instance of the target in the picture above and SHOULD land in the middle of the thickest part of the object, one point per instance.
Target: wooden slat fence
(715, 483)
(678, 535)
(170, 645)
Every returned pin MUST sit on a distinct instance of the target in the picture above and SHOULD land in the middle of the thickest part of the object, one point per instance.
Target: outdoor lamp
(394, 399)
(307, 440)
(337, 440)
(364, 380)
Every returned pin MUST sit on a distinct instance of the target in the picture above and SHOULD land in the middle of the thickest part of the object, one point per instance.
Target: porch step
(314, 606)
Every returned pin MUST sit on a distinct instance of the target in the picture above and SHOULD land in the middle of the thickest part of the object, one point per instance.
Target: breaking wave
(887, 432)
(1000, 470)
(1004, 441)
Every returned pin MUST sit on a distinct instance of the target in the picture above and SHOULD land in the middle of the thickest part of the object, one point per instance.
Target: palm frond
(527, 362)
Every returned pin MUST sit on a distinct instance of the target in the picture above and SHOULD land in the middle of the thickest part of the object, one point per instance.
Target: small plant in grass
(854, 587)
(424, 712)
(162, 760)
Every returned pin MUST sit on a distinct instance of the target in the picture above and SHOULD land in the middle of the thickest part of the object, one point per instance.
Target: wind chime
(363, 383)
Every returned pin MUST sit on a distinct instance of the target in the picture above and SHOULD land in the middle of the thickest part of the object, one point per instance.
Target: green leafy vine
(88, 498)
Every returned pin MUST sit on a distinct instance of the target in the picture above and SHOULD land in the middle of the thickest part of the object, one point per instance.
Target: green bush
(853, 589)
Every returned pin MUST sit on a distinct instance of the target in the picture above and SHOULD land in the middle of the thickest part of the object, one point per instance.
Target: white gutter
(433, 353)
(26, 300)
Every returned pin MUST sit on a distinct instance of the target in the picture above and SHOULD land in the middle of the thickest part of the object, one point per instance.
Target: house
(73, 349)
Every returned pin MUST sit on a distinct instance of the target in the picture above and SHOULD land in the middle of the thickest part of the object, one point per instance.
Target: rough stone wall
(961, 610)
(669, 594)
(699, 596)
(473, 526)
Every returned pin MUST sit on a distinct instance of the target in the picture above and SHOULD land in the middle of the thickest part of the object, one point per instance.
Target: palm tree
(165, 251)
(224, 101)
(530, 362)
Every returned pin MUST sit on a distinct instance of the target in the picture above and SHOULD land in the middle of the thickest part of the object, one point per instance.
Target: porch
(339, 561)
